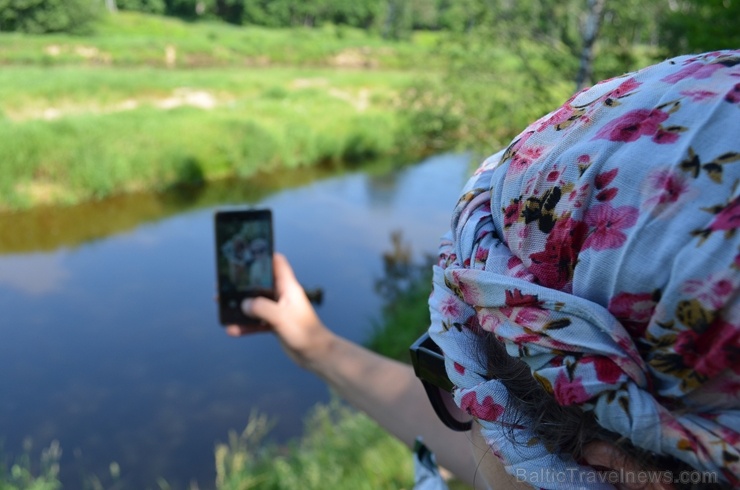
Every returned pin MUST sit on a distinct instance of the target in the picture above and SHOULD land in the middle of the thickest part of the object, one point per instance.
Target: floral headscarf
(601, 248)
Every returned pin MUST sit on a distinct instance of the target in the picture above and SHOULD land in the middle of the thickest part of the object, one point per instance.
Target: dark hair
(567, 429)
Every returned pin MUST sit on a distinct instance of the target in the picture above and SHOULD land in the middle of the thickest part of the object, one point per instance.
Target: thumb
(261, 308)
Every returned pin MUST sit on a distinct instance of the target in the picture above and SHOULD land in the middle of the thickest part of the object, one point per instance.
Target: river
(109, 340)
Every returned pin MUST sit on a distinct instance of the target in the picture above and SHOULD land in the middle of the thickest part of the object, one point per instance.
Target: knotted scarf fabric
(601, 247)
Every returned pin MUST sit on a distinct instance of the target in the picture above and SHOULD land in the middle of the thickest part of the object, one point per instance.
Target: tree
(397, 22)
(270, 13)
(231, 11)
(47, 16)
(362, 14)
(424, 14)
(189, 9)
(148, 6)
(701, 25)
(590, 32)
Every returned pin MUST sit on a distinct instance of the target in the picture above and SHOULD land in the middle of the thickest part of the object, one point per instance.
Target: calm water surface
(111, 346)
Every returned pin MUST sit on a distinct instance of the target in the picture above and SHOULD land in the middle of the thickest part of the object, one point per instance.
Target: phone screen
(244, 246)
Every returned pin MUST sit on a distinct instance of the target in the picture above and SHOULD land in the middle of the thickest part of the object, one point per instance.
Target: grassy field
(148, 103)
(134, 39)
(145, 128)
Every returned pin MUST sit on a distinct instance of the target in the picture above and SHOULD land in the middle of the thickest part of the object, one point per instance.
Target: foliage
(161, 139)
(45, 16)
(148, 6)
(356, 14)
(702, 25)
(23, 475)
(665, 26)
(483, 105)
(404, 288)
(509, 63)
(131, 39)
(397, 21)
(340, 449)
(191, 9)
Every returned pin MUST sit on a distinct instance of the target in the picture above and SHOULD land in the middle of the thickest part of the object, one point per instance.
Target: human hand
(291, 317)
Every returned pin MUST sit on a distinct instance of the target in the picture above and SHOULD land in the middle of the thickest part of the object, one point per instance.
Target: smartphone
(244, 246)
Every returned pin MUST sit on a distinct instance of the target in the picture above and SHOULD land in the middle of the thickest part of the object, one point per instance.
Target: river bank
(151, 129)
(149, 103)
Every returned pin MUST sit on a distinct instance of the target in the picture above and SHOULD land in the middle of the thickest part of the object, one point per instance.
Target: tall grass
(88, 117)
(24, 474)
(134, 39)
(85, 118)
(340, 449)
(125, 137)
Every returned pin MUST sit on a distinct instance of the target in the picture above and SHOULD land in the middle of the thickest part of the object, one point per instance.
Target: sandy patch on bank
(89, 53)
(354, 58)
(184, 96)
(360, 101)
(41, 192)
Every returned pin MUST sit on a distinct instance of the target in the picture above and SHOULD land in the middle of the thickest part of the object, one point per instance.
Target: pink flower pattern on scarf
(602, 248)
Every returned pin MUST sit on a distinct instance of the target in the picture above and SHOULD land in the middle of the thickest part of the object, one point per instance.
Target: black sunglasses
(429, 366)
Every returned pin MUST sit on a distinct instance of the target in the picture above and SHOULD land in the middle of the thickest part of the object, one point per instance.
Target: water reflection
(34, 274)
(49, 228)
(110, 342)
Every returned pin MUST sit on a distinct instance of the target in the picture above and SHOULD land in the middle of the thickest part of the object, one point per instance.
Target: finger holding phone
(244, 242)
(257, 289)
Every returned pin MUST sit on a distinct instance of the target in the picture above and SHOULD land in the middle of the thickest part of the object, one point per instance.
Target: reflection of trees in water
(400, 271)
(382, 189)
(49, 228)
(404, 288)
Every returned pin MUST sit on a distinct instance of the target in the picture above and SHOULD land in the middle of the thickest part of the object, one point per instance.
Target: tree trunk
(590, 33)
(387, 31)
(111, 6)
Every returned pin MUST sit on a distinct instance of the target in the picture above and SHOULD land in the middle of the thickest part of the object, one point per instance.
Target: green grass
(23, 474)
(25, 91)
(72, 134)
(340, 449)
(133, 39)
(87, 117)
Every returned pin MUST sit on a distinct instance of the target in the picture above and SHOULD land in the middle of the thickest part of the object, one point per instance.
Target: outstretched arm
(386, 390)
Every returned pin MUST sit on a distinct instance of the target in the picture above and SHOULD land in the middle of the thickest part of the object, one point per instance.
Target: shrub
(45, 16)
(148, 6)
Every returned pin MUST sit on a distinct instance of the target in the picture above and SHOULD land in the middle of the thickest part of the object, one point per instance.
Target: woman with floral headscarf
(586, 301)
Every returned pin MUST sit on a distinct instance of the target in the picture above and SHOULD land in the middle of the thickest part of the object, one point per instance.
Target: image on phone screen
(243, 259)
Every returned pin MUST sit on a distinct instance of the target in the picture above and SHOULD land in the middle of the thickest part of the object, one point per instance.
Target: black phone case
(244, 241)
